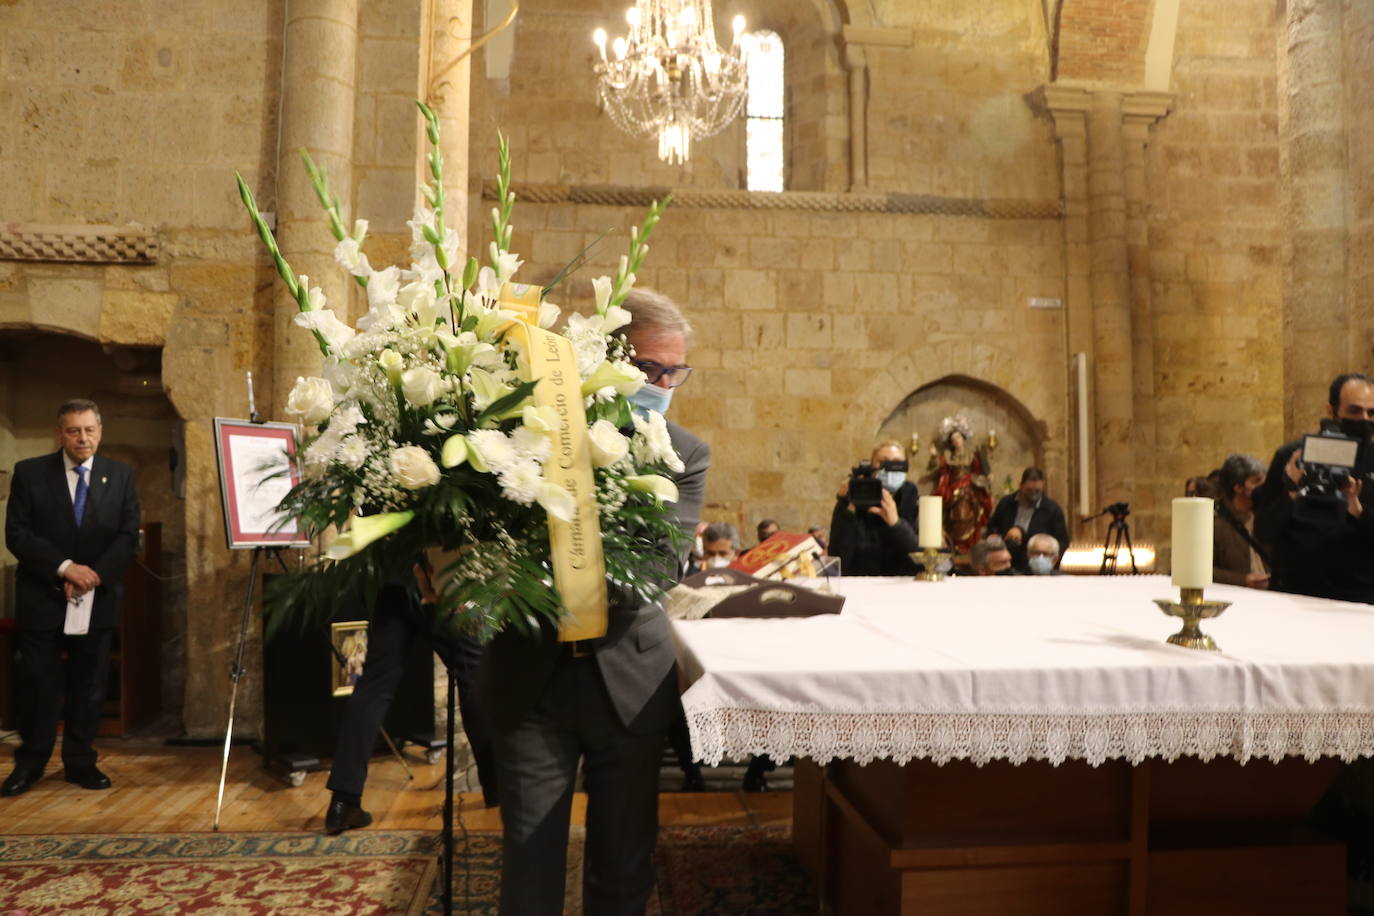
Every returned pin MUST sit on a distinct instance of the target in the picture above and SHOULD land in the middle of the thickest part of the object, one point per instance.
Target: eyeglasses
(653, 371)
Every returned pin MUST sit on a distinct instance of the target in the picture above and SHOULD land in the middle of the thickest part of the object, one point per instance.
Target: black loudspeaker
(301, 712)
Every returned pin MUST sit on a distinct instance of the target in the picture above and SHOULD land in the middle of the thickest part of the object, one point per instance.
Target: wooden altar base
(1039, 840)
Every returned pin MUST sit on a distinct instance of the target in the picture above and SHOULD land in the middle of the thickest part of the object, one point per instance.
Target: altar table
(1033, 745)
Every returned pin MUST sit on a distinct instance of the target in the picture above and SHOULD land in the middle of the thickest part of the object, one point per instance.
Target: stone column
(1113, 362)
(856, 62)
(1068, 109)
(446, 86)
(1316, 330)
(318, 101)
(1358, 25)
(1139, 112)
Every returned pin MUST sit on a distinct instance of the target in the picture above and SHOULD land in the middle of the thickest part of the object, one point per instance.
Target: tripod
(1118, 532)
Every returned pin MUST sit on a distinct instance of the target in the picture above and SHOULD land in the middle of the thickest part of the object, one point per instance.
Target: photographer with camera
(873, 527)
(1310, 508)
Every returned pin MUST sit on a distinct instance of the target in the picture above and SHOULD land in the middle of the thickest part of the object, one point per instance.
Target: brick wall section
(1214, 246)
(1104, 41)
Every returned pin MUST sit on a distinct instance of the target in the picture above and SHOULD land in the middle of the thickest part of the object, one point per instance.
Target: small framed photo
(349, 638)
(257, 467)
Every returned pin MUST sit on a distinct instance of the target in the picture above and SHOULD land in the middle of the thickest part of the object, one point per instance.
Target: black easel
(236, 671)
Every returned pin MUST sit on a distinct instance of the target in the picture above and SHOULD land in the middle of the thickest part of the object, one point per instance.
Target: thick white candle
(931, 513)
(1192, 542)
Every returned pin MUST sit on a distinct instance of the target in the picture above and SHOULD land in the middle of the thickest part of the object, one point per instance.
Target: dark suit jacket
(41, 530)
(869, 546)
(634, 656)
(1048, 518)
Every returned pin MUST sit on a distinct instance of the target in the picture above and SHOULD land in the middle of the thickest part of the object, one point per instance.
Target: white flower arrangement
(422, 429)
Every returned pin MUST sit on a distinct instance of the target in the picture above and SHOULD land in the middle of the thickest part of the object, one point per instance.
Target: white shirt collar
(68, 463)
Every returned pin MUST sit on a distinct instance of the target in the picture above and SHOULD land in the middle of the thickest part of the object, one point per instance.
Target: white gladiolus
(350, 256)
(360, 230)
(413, 468)
(383, 286)
(660, 488)
(614, 319)
(314, 296)
(311, 400)
(421, 386)
(601, 286)
(608, 446)
(548, 314)
(334, 331)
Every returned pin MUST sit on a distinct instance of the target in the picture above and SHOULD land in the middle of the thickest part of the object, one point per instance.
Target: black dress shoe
(19, 781)
(342, 816)
(692, 781)
(88, 778)
(754, 782)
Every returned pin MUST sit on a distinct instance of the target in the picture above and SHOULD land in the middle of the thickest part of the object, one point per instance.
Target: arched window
(764, 113)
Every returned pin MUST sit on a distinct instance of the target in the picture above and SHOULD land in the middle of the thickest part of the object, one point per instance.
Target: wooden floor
(161, 789)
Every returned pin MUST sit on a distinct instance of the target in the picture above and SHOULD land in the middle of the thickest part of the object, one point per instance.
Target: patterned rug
(217, 874)
(702, 871)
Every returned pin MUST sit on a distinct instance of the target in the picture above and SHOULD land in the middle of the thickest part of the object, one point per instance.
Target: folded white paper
(79, 615)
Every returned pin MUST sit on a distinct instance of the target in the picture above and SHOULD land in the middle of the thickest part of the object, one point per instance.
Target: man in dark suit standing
(605, 703)
(1021, 515)
(73, 523)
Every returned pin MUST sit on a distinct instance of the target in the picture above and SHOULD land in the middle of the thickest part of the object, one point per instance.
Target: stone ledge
(814, 201)
(82, 244)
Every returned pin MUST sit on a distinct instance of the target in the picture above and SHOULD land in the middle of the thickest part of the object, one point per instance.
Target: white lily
(660, 488)
(364, 529)
(541, 419)
(557, 501)
(454, 452)
(624, 377)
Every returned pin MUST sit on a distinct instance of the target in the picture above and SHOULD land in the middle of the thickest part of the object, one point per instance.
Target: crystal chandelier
(668, 78)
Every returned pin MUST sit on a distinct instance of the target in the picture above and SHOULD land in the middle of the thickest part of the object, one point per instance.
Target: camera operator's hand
(1352, 488)
(843, 491)
(887, 510)
(1293, 471)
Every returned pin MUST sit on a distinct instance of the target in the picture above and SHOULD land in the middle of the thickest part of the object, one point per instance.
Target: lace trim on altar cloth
(718, 734)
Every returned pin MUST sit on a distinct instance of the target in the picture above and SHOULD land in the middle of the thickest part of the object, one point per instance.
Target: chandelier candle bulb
(931, 512)
(1192, 542)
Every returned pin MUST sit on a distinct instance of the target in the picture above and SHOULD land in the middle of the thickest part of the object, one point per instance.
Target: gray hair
(1048, 542)
(978, 556)
(78, 405)
(721, 531)
(1237, 469)
(654, 312)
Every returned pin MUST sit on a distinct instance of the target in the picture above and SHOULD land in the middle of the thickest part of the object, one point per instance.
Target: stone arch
(979, 366)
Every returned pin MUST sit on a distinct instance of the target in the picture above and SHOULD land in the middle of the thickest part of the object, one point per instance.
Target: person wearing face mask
(879, 540)
(719, 545)
(1042, 553)
(990, 557)
(1322, 551)
(1022, 515)
(1237, 557)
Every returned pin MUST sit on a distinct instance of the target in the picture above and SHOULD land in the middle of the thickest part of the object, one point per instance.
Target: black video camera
(1329, 459)
(865, 489)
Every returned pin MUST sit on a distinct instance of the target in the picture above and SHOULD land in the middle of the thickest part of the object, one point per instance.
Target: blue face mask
(1041, 565)
(891, 480)
(652, 397)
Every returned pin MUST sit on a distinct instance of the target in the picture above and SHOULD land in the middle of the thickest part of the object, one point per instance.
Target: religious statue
(959, 472)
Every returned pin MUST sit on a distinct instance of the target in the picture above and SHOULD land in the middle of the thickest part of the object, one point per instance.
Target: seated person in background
(696, 561)
(879, 540)
(990, 557)
(1026, 513)
(1042, 555)
(767, 528)
(1200, 487)
(1237, 557)
(719, 545)
(818, 533)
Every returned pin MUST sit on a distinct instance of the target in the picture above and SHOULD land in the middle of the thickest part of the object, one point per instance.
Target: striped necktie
(79, 501)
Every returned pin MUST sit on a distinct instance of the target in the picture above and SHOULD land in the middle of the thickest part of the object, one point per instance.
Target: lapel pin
(104, 479)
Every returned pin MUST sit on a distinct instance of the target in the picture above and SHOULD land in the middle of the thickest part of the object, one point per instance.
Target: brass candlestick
(929, 558)
(1192, 608)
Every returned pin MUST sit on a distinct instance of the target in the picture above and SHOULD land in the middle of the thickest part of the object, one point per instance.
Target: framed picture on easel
(349, 638)
(257, 467)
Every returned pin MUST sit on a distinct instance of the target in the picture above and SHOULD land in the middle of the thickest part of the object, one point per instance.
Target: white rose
(608, 445)
(413, 468)
(312, 400)
(421, 386)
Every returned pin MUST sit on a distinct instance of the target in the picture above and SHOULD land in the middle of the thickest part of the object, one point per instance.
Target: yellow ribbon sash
(579, 568)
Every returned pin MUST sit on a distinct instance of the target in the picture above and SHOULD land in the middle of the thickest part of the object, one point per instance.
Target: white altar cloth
(1019, 668)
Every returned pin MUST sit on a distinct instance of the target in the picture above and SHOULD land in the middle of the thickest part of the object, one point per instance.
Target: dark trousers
(537, 760)
(395, 623)
(45, 679)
